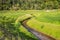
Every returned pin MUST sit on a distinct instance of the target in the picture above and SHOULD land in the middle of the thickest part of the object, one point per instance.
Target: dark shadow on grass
(22, 35)
(26, 37)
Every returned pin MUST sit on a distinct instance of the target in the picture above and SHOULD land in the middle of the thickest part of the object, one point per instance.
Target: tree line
(29, 4)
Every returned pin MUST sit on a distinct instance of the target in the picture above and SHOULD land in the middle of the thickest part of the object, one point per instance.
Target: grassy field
(45, 21)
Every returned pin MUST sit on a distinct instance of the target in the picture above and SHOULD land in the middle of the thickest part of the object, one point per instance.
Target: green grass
(51, 16)
(11, 16)
(47, 22)
(46, 28)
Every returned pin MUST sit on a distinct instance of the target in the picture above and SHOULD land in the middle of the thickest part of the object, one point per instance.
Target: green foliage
(8, 22)
(29, 4)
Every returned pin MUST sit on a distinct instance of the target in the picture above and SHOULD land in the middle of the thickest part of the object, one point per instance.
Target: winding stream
(39, 35)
